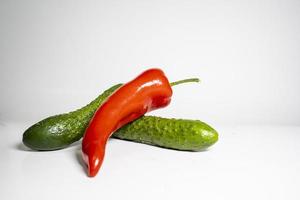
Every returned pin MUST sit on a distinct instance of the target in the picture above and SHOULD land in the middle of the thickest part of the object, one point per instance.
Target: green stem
(196, 80)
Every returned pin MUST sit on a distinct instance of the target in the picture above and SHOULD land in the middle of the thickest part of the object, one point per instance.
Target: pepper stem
(196, 80)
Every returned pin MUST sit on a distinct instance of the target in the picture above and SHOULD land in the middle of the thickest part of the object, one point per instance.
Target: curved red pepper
(150, 90)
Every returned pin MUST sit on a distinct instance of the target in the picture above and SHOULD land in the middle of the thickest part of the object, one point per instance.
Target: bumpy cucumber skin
(179, 134)
(59, 131)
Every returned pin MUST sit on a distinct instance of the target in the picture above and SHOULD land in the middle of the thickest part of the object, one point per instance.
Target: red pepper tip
(93, 162)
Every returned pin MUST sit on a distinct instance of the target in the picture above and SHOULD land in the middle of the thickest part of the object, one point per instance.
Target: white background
(56, 56)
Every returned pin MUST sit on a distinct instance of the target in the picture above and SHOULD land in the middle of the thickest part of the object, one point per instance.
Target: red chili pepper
(149, 91)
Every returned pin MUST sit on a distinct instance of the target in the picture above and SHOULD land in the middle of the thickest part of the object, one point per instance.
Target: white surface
(247, 163)
(58, 55)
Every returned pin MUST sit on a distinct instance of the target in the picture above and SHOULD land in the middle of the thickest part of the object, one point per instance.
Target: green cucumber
(180, 134)
(60, 131)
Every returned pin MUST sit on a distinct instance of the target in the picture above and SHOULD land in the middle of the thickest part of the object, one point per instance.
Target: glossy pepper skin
(149, 91)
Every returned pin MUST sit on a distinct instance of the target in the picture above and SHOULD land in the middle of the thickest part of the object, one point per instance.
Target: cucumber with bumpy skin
(180, 134)
(60, 131)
